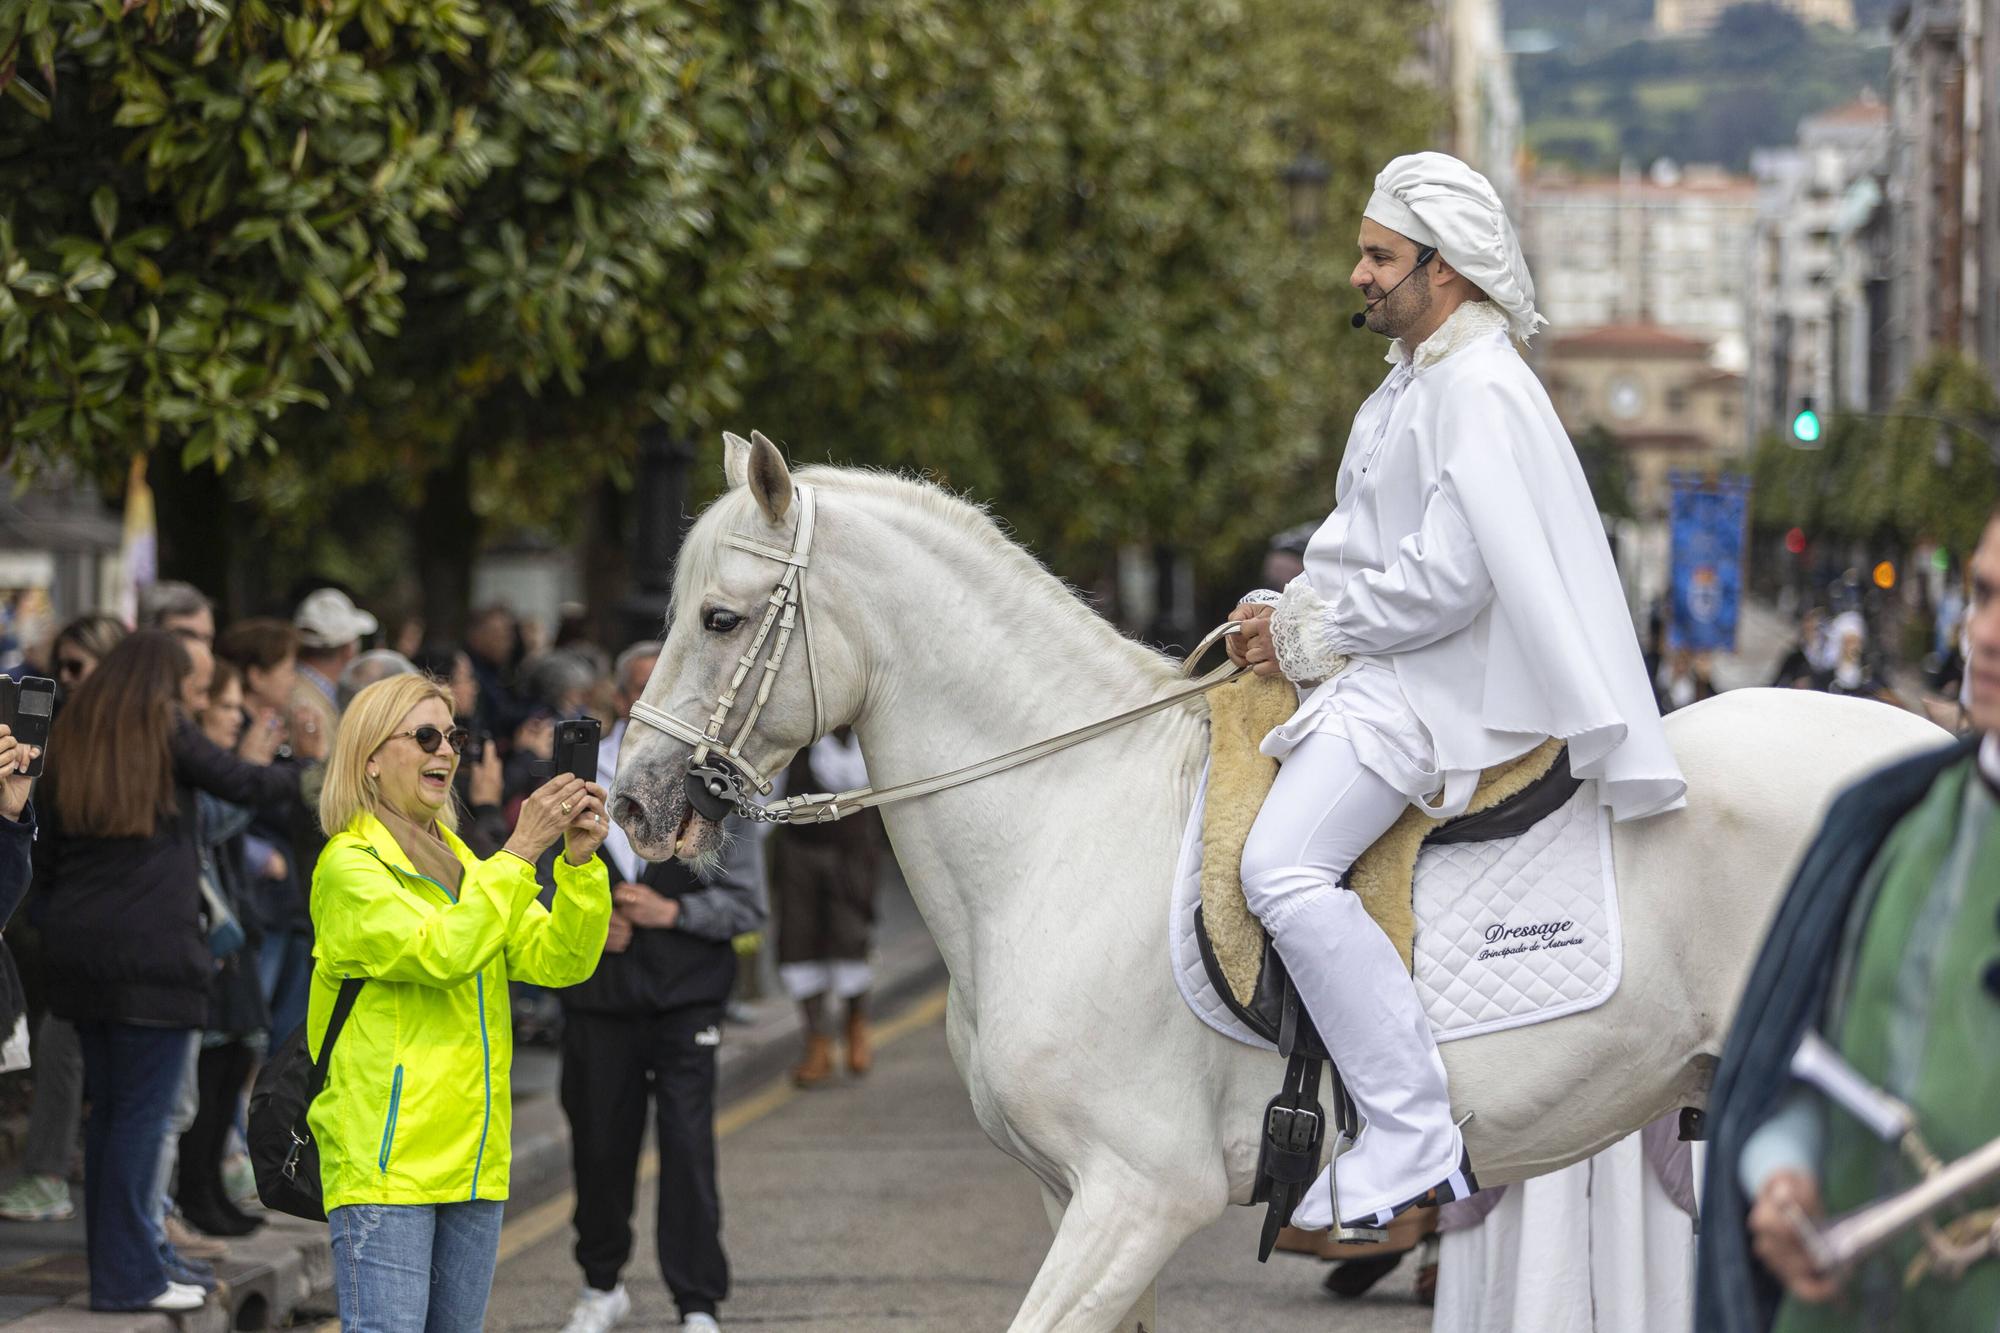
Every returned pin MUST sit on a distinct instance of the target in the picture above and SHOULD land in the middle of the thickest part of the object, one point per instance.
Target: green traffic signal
(1805, 426)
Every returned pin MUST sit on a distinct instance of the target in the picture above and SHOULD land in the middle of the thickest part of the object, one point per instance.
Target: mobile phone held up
(27, 707)
(576, 747)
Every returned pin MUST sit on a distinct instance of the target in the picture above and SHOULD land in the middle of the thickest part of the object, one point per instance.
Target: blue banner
(1708, 520)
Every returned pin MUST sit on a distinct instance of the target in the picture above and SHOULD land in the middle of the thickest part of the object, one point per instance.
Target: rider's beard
(1404, 309)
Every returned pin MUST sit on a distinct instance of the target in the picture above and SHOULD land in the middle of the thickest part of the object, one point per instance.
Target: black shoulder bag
(283, 1156)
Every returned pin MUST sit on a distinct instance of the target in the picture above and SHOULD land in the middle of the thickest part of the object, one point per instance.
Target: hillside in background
(1593, 101)
(1630, 18)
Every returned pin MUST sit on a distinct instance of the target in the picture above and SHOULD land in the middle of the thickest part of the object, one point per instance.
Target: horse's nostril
(625, 811)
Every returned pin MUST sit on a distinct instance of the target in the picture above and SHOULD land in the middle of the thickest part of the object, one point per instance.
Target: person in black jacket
(127, 946)
(17, 837)
(238, 1017)
(651, 1018)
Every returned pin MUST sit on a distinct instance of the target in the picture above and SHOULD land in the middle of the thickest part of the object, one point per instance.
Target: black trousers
(611, 1063)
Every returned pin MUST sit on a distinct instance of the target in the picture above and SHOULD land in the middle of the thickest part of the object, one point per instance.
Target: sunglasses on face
(428, 738)
(71, 666)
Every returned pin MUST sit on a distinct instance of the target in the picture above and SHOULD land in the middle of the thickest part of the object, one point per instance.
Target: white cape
(1554, 652)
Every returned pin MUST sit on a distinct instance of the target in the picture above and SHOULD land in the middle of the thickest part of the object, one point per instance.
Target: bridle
(721, 778)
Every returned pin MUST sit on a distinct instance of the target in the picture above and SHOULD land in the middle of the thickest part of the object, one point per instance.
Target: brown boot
(860, 1046)
(817, 1067)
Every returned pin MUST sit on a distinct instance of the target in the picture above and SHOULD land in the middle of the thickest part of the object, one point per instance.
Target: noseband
(720, 774)
(721, 778)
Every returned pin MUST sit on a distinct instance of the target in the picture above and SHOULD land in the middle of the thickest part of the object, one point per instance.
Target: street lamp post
(659, 502)
(1305, 192)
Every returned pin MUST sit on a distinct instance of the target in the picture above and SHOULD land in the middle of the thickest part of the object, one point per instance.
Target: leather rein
(721, 777)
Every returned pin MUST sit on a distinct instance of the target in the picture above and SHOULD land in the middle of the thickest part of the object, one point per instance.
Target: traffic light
(1805, 426)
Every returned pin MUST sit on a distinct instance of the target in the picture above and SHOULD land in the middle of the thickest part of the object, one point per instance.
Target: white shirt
(617, 847)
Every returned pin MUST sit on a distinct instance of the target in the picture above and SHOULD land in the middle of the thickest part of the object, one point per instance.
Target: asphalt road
(878, 1205)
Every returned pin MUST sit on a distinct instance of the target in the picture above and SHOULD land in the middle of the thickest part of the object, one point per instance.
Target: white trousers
(1325, 809)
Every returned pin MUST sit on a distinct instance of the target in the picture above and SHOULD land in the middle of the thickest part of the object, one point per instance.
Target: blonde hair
(372, 718)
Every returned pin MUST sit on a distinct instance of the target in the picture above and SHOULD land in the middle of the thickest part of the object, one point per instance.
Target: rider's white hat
(1439, 201)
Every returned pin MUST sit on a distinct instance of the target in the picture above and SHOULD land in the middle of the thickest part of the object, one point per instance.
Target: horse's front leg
(1113, 1236)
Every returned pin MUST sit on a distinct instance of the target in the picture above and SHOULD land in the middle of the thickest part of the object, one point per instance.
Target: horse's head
(729, 589)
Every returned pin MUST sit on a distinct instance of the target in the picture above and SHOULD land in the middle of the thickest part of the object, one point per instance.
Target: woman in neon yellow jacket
(413, 1125)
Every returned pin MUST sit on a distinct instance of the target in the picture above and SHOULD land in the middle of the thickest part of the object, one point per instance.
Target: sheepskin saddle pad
(1513, 919)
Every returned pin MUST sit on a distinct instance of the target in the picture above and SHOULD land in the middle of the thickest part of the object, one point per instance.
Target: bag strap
(343, 1005)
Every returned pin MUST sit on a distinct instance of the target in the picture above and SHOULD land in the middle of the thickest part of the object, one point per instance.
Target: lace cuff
(1260, 597)
(1299, 636)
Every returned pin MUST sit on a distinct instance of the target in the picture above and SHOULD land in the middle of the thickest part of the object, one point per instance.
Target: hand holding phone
(576, 747)
(29, 707)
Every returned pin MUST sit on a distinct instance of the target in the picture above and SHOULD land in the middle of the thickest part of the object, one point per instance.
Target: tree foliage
(1064, 279)
(1038, 250)
(1891, 482)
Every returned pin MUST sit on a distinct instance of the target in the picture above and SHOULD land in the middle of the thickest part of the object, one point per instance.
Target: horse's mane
(1017, 577)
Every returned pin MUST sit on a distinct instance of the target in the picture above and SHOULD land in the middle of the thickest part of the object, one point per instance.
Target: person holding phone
(128, 952)
(17, 837)
(414, 1124)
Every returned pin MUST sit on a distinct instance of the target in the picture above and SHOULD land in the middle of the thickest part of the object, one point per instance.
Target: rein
(716, 789)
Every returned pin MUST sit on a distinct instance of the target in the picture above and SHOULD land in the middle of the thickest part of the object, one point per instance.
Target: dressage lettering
(1536, 937)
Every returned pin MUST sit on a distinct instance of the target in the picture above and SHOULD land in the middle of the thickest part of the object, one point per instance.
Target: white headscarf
(1437, 200)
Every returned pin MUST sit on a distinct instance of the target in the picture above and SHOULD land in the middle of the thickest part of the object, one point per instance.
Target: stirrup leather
(1294, 1127)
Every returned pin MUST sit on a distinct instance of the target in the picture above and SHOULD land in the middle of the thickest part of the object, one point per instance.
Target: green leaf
(104, 208)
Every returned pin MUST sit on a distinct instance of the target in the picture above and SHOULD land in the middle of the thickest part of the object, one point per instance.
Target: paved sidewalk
(284, 1273)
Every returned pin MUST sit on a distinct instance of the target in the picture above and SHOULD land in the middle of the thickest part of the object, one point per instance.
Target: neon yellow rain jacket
(416, 1107)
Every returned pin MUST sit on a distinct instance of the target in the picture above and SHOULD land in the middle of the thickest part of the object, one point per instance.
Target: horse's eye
(721, 622)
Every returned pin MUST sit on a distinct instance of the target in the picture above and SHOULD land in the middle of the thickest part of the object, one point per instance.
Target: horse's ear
(770, 479)
(735, 459)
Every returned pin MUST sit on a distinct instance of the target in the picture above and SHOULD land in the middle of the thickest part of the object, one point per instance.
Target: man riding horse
(1459, 607)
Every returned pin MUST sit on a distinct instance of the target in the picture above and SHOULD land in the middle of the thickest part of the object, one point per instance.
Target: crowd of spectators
(164, 920)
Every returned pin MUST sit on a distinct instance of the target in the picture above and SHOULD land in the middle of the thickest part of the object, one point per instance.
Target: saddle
(1245, 969)
(1508, 800)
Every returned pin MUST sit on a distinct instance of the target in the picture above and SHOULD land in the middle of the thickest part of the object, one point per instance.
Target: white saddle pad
(1515, 931)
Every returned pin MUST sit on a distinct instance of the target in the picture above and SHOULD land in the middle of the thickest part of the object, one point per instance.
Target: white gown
(1598, 1247)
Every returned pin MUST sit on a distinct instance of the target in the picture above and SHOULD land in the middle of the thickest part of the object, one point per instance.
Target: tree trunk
(447, 538)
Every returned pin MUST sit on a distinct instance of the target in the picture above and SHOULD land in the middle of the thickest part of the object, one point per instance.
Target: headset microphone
(1425, 254)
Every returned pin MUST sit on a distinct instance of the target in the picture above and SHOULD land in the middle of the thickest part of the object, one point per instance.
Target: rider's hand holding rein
(565, 805)
(1253, 647)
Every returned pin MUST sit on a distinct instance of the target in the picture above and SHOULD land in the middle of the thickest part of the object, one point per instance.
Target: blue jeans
(284, 969)
(414, 1268)
(132, 1075)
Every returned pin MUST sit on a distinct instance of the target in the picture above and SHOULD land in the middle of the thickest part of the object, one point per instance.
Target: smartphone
(576, 747)
(476, 742)
(33, 707)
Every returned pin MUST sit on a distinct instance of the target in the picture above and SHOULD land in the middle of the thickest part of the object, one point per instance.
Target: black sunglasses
(427, 738)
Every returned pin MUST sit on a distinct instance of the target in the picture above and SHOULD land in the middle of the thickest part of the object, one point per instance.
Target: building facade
(1659, 395)
(1468, 59)
(1816, 295)
(1669, 247)
(1943, 184)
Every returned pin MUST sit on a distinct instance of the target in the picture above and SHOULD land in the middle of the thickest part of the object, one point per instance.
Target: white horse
(1047, 887)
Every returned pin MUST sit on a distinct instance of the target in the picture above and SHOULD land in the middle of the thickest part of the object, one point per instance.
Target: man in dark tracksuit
(648, 1022)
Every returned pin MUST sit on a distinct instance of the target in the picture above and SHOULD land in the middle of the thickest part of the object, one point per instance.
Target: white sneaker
(700, 1322)
(597, 1310)
(177, 1297)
